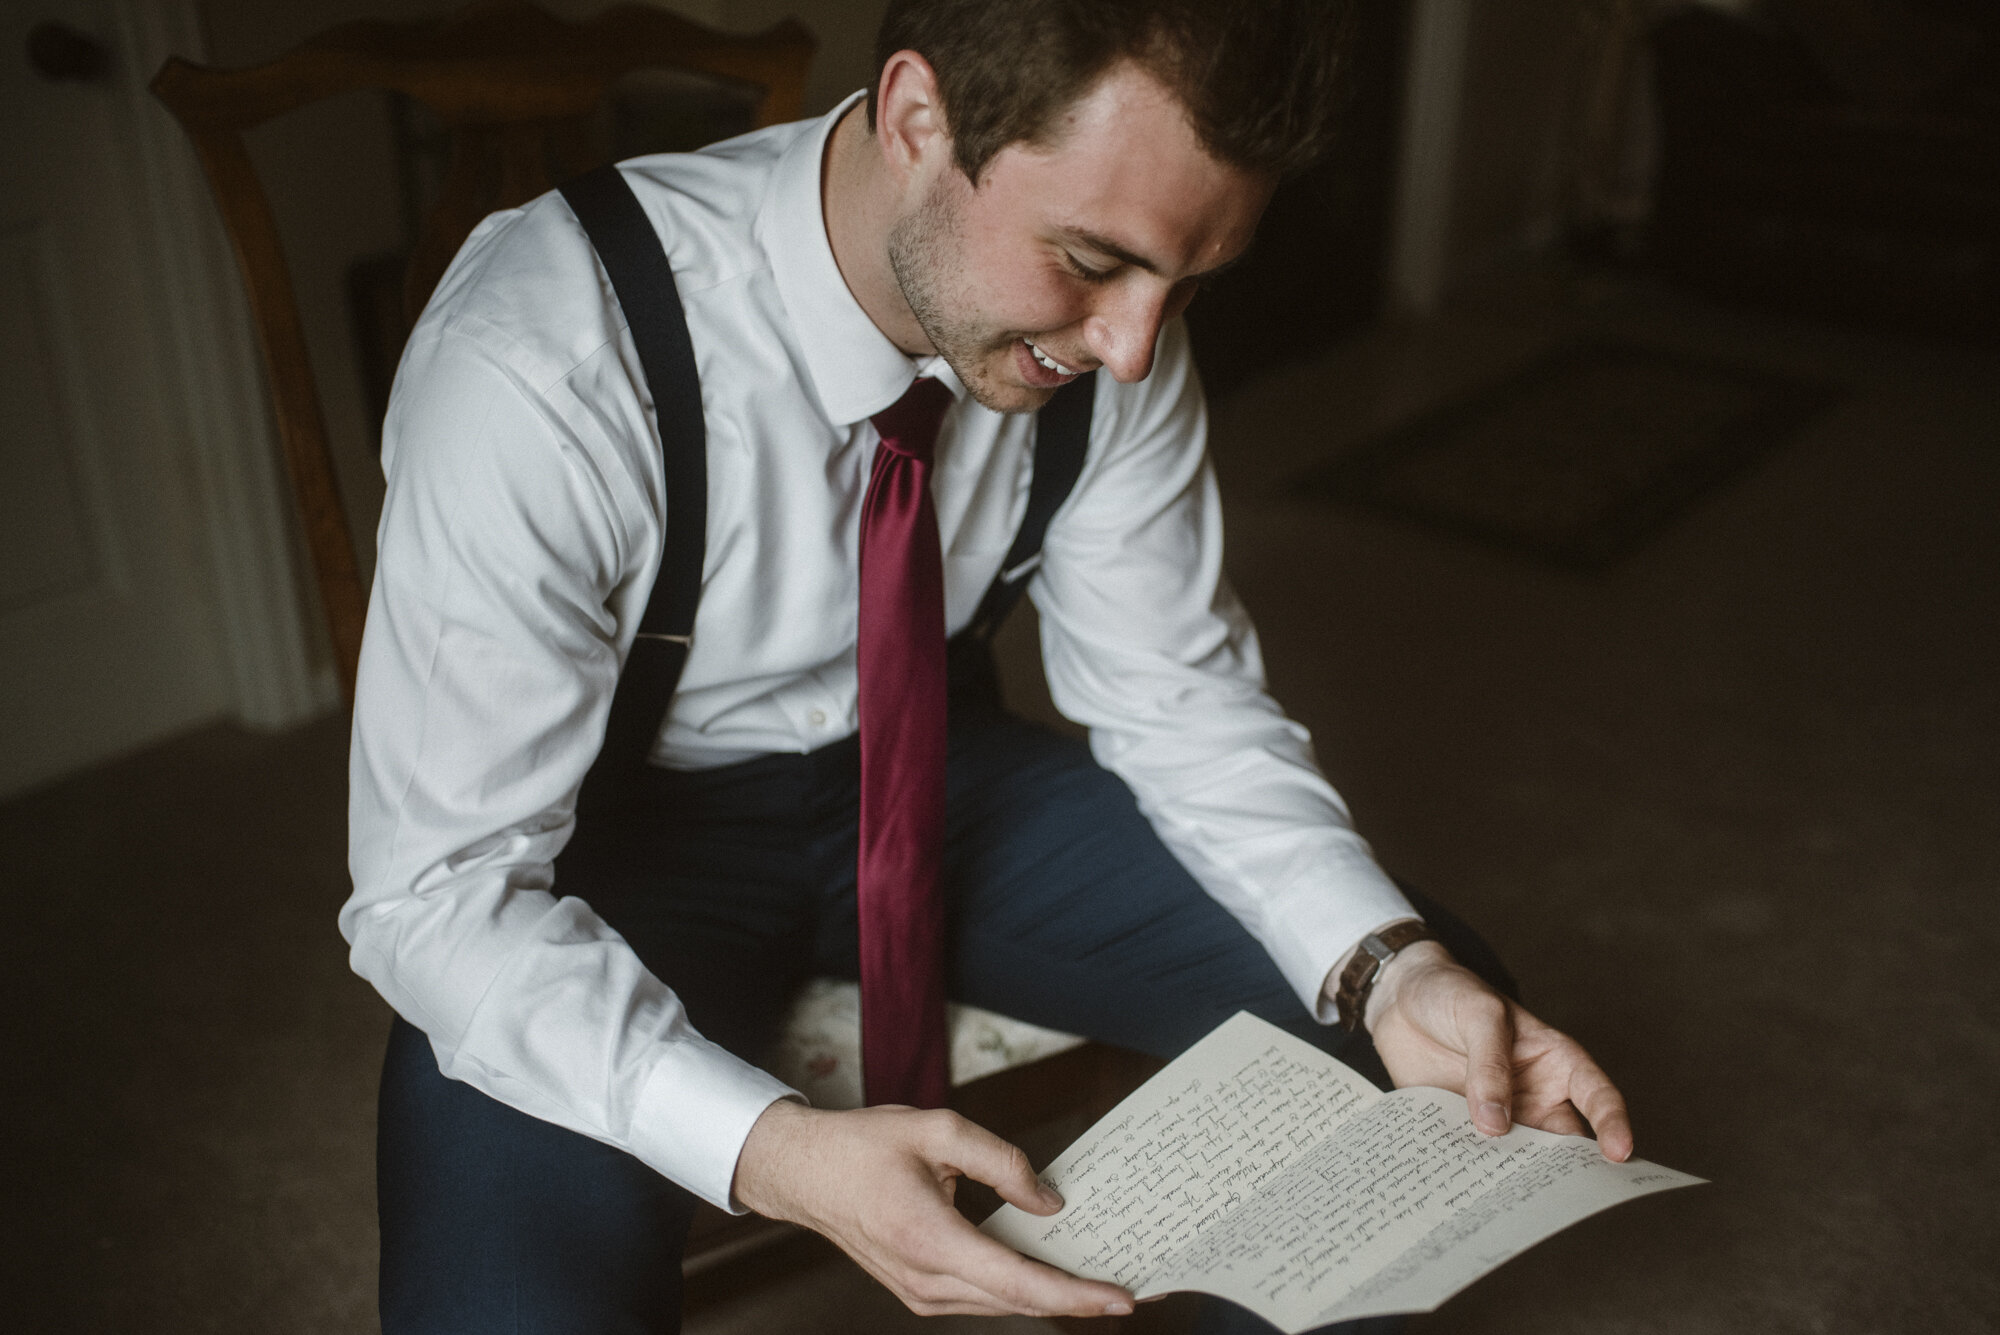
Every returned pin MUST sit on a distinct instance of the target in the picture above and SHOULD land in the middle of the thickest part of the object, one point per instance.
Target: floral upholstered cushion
(820, 1053)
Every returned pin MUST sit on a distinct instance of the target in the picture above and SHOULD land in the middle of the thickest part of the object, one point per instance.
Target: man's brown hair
(1261, 79)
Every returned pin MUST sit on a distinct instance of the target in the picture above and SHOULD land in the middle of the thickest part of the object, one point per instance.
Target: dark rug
(1581, 456)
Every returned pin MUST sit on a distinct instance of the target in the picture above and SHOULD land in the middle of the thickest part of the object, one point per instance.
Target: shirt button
(817, 718)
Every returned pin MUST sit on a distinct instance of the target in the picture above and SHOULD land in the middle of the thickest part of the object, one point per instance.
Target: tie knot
(909, 426)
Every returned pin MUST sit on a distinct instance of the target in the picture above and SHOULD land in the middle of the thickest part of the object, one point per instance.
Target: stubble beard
(923, 256)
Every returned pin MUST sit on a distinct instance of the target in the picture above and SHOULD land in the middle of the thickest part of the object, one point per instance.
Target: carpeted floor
(1730, 805)
(1731, 808)
(1580, 456)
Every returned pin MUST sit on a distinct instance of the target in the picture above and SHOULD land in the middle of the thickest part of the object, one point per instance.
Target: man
(1032, 191)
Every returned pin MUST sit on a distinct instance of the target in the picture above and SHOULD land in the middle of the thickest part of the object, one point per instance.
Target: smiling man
(1070, 253)
(938, 358)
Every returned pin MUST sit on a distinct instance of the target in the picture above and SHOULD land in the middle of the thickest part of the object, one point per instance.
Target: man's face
(1073, 253)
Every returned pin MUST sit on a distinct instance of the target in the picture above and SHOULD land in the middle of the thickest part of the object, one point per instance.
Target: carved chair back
(519, 93)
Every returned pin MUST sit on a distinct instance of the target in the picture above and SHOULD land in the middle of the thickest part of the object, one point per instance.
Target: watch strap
(1357, 980)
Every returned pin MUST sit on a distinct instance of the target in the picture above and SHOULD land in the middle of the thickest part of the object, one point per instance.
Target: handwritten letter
(1260, 1169)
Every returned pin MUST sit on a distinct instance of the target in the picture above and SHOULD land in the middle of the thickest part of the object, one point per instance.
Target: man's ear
(910, 129)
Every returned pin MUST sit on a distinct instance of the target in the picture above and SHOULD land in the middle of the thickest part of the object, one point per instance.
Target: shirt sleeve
(1146, 645)
(506, 589)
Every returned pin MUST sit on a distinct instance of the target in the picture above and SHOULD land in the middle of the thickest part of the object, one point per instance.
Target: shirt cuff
(695, 1112)
(1323, 918)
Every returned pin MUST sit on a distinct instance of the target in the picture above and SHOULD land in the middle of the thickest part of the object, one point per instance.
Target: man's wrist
(1412, 959)
(1352, 985)
(749, 1184)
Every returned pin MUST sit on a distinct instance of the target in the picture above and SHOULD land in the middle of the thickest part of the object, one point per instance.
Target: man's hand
(879, 1183)
(1435, 1022)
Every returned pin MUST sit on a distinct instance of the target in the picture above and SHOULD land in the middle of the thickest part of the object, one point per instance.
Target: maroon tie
(905, 1056)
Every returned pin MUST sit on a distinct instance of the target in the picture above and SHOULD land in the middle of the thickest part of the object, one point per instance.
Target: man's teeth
(1047, 360)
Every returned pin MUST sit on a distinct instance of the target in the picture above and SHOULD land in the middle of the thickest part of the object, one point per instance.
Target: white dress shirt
(518, 544)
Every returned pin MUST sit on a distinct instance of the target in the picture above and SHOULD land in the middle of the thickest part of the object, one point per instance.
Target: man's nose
(1124, 330)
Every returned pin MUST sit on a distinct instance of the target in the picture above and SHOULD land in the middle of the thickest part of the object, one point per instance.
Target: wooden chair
(515, 87)
(517, 90)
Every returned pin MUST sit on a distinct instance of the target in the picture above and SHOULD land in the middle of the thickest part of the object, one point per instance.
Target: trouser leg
(1067, 910)
(493, 1220)
(496, 1221)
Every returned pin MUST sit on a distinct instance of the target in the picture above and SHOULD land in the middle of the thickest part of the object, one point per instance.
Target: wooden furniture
(517, 89)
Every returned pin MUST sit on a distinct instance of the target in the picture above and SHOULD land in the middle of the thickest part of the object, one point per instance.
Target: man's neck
(858, 197)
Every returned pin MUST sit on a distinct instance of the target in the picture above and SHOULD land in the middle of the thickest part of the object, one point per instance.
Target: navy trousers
(736, 885)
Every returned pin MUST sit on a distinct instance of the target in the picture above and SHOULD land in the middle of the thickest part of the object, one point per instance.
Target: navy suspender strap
(632, 256)
(636, 263)
(1062, 437)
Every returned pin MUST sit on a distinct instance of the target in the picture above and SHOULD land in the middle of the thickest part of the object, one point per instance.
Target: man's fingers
(877, 1181)
(945, 1265)
(1575, 1090)
(1604, 1107)
(1487, 1030)
(1004, 1278)
(1443, 1016)
(1562, 1119)
(1017, 1284)
(984, 1157)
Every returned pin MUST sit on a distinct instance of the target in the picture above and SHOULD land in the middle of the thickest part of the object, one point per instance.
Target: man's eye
(1085, 272)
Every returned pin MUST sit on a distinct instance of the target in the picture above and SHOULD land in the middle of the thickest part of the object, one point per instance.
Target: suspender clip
(1026, 567)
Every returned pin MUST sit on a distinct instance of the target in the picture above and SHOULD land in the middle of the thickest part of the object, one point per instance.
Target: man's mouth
(1047, 360)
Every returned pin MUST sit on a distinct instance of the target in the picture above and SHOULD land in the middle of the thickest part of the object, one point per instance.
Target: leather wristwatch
(1357, 980)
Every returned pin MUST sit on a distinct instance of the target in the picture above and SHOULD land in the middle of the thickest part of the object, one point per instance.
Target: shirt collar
(855, 369)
